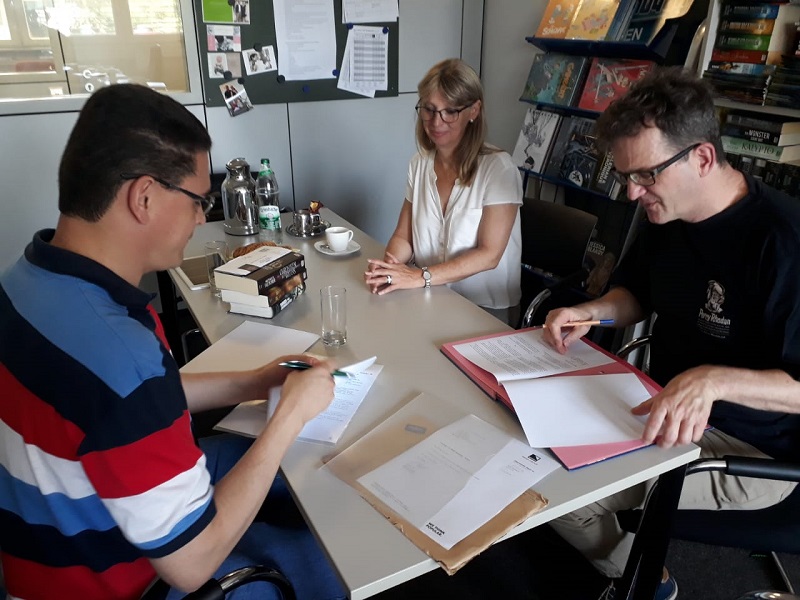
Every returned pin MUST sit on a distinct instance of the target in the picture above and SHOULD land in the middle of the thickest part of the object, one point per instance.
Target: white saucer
(323, 247)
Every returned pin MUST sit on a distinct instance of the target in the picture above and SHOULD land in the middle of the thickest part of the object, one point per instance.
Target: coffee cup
(338, 238)
(306, 222)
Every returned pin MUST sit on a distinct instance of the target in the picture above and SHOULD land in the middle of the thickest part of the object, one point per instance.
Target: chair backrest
(555, 236)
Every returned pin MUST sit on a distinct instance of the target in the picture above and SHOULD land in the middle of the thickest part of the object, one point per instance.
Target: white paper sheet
(526, 355)
(369, 11)
(458, 478)
(250, 418)
(580, 410)
(306, 39)
(369, 64)
(250, 345)
(345, 81)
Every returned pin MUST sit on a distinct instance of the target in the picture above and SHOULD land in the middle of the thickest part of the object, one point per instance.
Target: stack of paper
(365, 62)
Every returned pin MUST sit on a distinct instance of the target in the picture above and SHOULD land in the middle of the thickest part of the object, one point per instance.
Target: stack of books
(784, 85)
(609, 20)
(263, 282)
(766, 146)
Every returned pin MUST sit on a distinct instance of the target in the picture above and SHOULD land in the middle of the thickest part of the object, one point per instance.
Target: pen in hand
(581, 323)
(302, 366)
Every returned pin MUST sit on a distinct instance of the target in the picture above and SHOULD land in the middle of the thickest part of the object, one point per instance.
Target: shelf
(564, 110)
(757, 108)
(558, 181)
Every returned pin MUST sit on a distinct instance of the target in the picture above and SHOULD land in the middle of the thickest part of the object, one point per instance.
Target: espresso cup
(338, 238)
(306, 222)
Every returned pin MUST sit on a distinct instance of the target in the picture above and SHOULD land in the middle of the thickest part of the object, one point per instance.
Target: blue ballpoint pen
(302, 366)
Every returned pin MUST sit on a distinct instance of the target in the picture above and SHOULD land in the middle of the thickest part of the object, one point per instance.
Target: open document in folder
(521, 366)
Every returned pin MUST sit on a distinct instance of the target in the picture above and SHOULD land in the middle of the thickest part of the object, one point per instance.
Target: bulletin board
(269, 87)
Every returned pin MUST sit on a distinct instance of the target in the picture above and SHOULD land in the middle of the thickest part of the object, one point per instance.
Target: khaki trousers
(594, 531)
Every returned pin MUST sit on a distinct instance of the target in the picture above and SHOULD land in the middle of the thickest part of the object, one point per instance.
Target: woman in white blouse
(459, 225)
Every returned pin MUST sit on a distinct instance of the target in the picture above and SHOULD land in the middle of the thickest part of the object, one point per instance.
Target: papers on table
(526, 355)
(306, 39)
(457, 479)
(250, 418)
(365, 61)
(581, 410)
(250, 345)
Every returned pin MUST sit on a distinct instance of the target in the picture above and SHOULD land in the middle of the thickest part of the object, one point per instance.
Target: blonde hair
(460, 85)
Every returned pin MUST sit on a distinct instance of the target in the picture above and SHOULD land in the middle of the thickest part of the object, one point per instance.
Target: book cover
(718, 55)
(571, 127)
(593, 20)
(649, 17)
(757, 26)
(743, 41)
(755, 134)
(261, 311)
(749, 10)
(553, 78)
(603, 180)
(757, 150)
(535, 139)
(259, 270)
(619, 25)
(767, 122)
(272, 295)
(609, 79)
(580, 159)
(557, 18)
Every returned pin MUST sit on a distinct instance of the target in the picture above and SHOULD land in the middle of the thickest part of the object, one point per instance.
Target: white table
(405, 330)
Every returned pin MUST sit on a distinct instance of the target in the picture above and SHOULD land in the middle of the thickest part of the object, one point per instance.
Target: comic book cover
(649, 17)
(574, 154)
(557, 18)
(553, 78)
(593, 20)
(535, 139)
(609, 79)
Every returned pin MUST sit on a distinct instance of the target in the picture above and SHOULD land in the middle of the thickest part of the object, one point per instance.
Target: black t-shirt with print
(726, 292)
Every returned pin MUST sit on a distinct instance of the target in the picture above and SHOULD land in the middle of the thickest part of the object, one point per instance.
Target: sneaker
(667, 590)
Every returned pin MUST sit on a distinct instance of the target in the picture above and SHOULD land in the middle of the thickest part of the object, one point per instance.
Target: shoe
(666, 590)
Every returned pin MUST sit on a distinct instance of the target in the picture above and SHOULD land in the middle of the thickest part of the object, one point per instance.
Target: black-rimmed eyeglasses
(447, 115)
(648, 177)
(206, 203)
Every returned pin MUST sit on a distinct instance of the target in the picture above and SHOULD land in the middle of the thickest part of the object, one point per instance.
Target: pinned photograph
(217, 65)
(235, 98)
(241, 11)
(217, 11)
(224, 38)
(256, 62)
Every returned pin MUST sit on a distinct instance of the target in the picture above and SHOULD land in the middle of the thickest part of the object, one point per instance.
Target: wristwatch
(426, 275)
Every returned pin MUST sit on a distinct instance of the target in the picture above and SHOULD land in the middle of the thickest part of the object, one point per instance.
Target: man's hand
(679, 413)
(560, 337)
(305, 394)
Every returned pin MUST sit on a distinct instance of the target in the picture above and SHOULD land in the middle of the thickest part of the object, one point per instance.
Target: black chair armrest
(215, 589)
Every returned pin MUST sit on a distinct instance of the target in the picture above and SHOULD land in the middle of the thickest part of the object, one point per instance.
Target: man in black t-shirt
(717, 262)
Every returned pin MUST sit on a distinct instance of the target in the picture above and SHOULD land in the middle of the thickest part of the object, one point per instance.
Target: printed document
(365, 66)
(579, 410)
(458, 478)
(306, 39)
(369, 11)
(526, 355)
(250, 418)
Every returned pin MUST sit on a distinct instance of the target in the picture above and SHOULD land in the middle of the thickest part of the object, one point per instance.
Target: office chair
(768, 530)
(216, 589)
(554, 242)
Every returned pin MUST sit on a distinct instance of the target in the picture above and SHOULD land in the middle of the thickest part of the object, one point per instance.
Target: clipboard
(572, 457)
(418, 419)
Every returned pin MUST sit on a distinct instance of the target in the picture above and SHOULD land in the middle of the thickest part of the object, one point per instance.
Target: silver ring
(388, 280)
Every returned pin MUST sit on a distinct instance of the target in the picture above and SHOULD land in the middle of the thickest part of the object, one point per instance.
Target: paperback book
(609, 79)
(649, 17)
(780, 154)
(718, 55)
(259, 270)
(749, 10)
(771, 123)
(261, 311)
(567, 142)
(593, 20)
(271, 296)
(554, 78)
(535, 139)
(755, 134)
(557, 18)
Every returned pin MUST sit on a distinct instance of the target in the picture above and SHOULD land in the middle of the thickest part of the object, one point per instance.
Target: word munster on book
(256, 272)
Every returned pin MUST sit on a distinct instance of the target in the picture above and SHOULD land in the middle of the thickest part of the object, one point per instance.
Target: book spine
(754, 149)
(280, 274)
(750, 10)
(741, 68)
(743, 41)
(256, 311)
(603, 180)
(756, 26)
(753, 134)
(720, 55)
(748, 121)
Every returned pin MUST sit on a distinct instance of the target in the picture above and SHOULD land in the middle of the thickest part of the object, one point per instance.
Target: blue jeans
(279, 539)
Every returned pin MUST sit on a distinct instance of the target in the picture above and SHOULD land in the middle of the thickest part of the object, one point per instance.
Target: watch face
(426, 275)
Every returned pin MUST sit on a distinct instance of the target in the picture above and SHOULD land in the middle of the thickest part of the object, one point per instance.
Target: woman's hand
(377, 270)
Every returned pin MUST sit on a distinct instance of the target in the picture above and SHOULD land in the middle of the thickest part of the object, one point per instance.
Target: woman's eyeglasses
(447, 115)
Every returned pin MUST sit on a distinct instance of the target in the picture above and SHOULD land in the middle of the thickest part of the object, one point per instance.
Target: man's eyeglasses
(206, 203)
(447, 115)
(646, 178)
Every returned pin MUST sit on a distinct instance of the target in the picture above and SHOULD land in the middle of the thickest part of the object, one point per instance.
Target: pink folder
(571, 457)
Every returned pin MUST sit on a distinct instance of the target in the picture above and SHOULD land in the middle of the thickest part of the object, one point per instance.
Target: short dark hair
(676, 101)
(125, 128)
